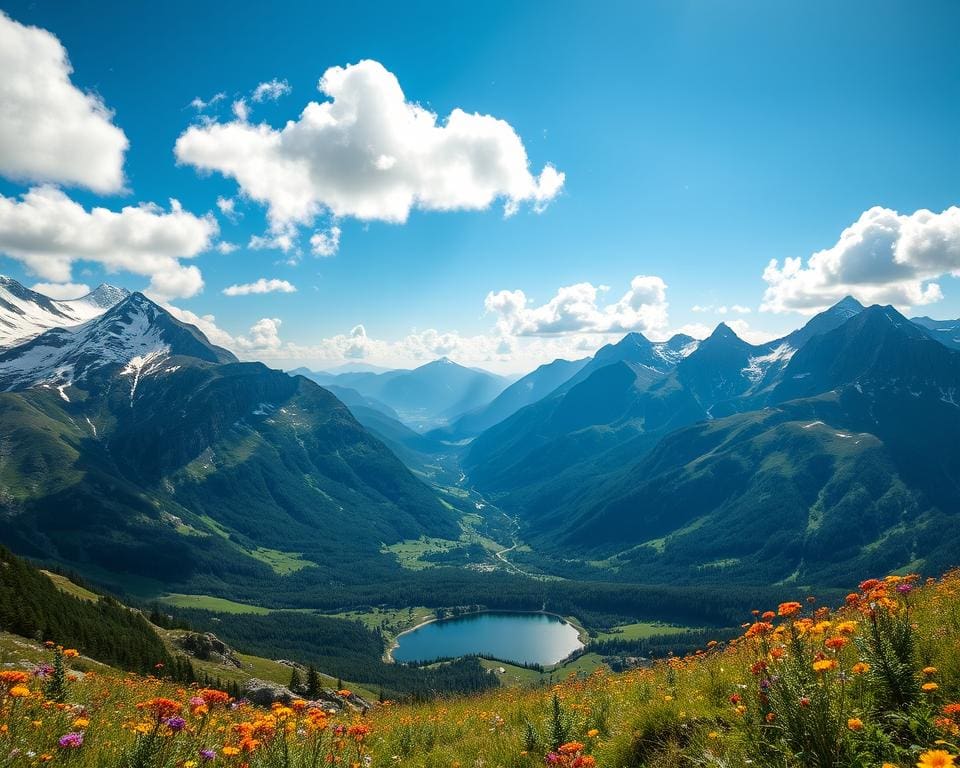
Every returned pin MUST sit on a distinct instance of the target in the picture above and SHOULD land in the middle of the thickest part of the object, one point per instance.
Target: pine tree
(313, 682)
(296, 682)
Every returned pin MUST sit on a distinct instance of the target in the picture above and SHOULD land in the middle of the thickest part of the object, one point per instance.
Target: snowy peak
(25, 314)
(135, 335)
(105, 295)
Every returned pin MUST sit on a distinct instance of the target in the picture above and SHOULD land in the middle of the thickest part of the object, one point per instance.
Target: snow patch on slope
(758, 366)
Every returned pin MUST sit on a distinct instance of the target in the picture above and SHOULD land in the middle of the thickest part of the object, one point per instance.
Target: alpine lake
(518, 638)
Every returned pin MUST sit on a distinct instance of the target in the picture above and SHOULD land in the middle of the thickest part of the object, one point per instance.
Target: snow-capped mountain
(136, 335)
(25, 314)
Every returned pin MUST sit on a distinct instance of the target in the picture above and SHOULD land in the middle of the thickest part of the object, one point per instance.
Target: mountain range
(133, 448)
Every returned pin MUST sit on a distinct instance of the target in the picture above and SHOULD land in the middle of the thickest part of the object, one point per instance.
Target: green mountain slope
(190, 466)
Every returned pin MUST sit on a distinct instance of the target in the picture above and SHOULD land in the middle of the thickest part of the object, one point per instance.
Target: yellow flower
(81, 722)
(929, 687)
(936, 758)
(593, 733)
(855, 724)
(929, 670)
(860, 667)
(19, 691)
(230, 751)
(70, 653)
(823, 665)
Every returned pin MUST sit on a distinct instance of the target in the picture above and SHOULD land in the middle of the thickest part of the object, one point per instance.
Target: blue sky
(698, 141)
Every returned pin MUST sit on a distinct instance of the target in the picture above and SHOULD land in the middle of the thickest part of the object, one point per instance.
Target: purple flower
(43, 671)
(207, 754)
(197, 701)
(904, 588)
(175, 724)
(71, 741)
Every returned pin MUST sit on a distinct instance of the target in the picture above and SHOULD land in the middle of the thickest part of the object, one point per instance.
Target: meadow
(872, 684)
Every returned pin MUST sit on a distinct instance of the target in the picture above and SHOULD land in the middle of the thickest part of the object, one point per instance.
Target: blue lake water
(523, 638)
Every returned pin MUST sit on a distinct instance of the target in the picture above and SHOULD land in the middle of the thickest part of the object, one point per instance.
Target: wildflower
(161, 708)
(207, 755)
(570, 748)
(869, 584)
(593, 733)
(929, 687)
(824, 665)
(836, 643)
(175, 724)
(936, 758)
(12, 677)
(846, 627)
(71, 741)
(929, 671)
(70, 653)
(81, 723)
(758, 629)
(212, 696)
(855, 724)
(345, 693)
(860, 668)
(789, 609)
(19, 692)
(584, 761)
(230, 751)
(358, 731)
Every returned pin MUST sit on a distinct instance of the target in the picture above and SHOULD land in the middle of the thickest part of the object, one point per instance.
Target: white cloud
(575, 309)
(48, 232)
(264, 336)
(200, 105)
(240, 110)
(206, 323)
(739, 309)
(282, 241)
(225, 247)
(325, 243)
(753, 336)
(61, 290)
(272, 90)
(50, 131)
(260, 286)
(884, 257)
(370, 154)
(228, 207)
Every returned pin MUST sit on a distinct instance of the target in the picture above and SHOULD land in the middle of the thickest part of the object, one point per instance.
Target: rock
(263, 693)
(208, 647)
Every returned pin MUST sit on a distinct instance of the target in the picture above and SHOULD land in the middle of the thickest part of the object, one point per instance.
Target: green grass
(641, 630)
(210, 603)
(65, 585)
(282, 563)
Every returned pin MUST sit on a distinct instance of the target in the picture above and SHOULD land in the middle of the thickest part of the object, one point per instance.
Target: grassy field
(640, 631)
(65, 585)
(210, 603)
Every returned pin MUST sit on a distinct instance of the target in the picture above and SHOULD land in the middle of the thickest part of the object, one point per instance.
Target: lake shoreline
(582, 634)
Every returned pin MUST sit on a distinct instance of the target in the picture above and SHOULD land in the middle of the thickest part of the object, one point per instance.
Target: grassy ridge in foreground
(873, 684)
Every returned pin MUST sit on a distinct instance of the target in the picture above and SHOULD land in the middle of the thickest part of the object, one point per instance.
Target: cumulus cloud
(260, 286)
(884, 257)
(575, 309)
(325, 243)
(48, 232)
(50, 130)
(751, 335)
(271, 90)
(369, 153)
(264, 336)
(206, 323)
(225, 247)
(61, 290)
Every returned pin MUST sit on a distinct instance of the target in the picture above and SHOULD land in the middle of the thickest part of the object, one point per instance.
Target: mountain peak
(723, 332)
(633, 339)
(105, 295)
